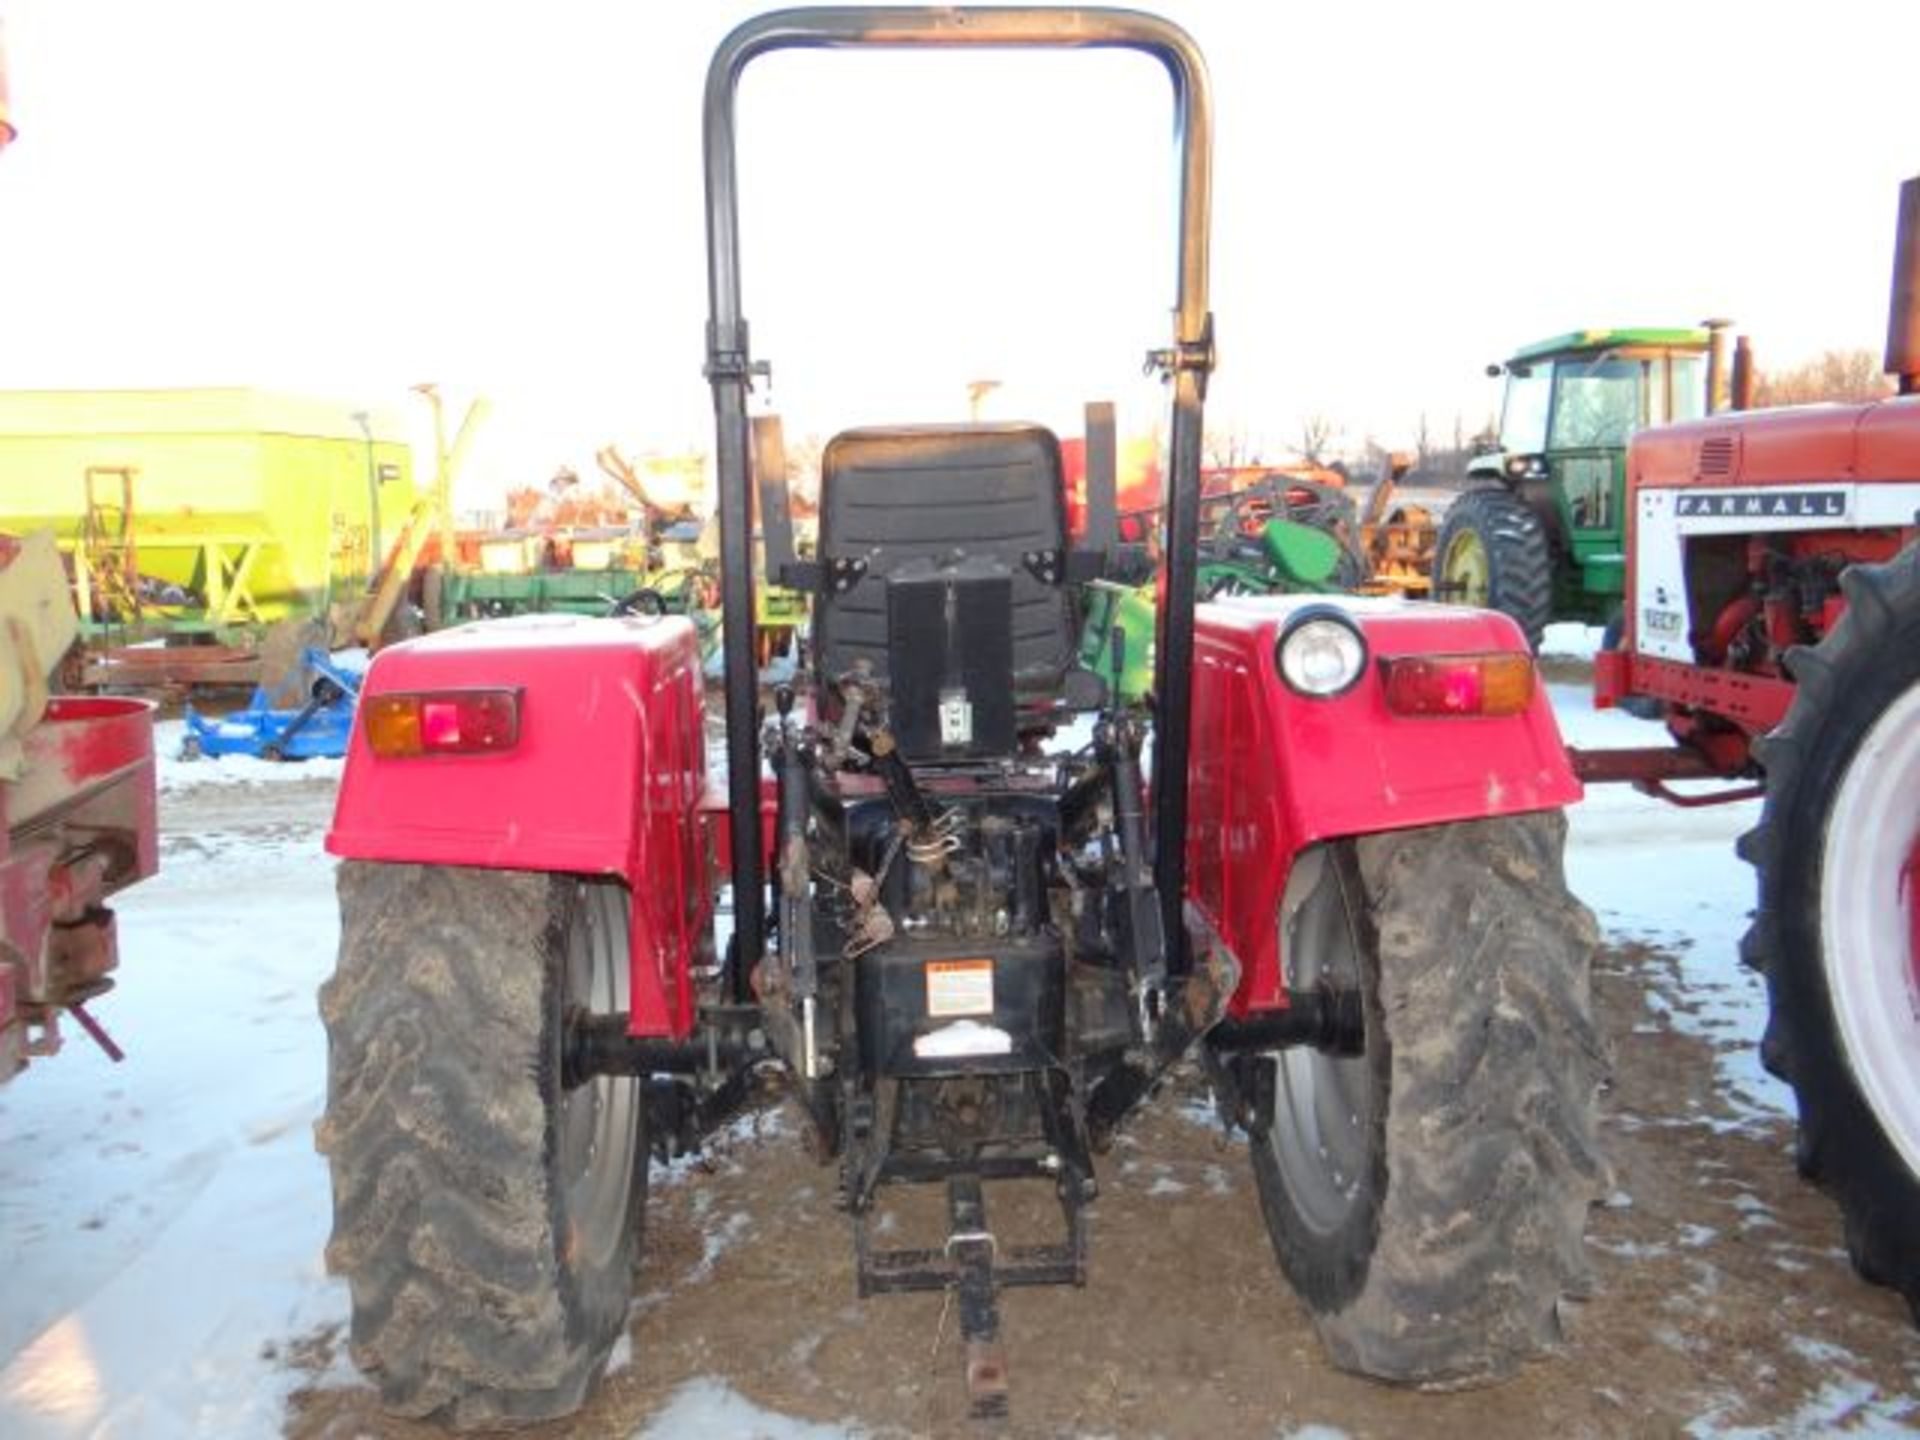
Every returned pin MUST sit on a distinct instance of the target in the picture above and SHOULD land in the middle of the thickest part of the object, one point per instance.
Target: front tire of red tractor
(1492, 552)
(486, 1219)
(1427, 1198)
(1837, 930)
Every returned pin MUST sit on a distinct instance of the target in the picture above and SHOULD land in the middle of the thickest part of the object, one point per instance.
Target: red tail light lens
(1491, 684)
(442, 722)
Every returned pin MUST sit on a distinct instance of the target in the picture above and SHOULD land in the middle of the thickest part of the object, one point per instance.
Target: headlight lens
(1321, 653)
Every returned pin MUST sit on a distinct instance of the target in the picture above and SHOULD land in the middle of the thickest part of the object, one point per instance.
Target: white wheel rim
(1867, 921)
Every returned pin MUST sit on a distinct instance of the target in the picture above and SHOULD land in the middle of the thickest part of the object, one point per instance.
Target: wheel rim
(1466, 571)
(1321, 1101)
(1909, 880)
(599, 1120)
(1869, 924)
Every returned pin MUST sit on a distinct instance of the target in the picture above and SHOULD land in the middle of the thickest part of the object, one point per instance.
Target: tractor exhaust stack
(1716, 364)
(1903, 319)
(1742, 374)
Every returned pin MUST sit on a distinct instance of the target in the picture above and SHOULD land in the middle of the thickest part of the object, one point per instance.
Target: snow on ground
(161, 1223)
(1846, 1404)
(177, 773)
(1570, 640)
(1670, 877)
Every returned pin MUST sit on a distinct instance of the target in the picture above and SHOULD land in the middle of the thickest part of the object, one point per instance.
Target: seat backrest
(889, 496)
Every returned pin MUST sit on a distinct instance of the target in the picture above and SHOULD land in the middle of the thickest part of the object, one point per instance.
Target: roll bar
(1185, 364)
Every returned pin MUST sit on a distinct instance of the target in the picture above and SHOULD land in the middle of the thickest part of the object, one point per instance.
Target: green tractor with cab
(1540, 534)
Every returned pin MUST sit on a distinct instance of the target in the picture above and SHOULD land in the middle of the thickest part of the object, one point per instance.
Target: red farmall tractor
(971, 928)
(1773, 611)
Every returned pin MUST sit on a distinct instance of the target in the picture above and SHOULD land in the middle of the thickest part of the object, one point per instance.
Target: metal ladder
(106, 565)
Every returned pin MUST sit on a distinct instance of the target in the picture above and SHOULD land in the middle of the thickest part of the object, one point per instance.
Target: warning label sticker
(959, 987)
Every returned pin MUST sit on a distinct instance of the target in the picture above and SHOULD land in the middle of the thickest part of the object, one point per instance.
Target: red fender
(605, 779)
(1273, 772)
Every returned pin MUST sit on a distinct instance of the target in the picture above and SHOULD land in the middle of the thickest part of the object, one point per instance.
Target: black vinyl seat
(894, 496)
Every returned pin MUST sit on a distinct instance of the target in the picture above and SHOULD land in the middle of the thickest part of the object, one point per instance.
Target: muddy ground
(1723, 1302)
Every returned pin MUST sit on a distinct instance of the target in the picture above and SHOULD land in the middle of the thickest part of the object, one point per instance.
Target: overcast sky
(351, 196)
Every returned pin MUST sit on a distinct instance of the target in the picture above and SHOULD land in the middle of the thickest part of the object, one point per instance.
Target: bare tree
(1836, 375)
(1317, 434)
(1225, 449)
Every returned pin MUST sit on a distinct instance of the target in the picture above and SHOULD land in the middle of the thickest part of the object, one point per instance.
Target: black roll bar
(730, 369)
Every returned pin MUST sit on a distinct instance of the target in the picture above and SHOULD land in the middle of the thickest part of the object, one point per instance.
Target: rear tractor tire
(486, 1218)
(1427, 1197)
(1493, 553)
(1837, 930)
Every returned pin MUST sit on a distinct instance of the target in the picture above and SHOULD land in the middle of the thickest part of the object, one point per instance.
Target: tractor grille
(1716, 457)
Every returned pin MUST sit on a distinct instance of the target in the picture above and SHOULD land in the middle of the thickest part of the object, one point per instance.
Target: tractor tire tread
(1492, 1158)
(438, 1022)
(1865, 661)
(1519, 560)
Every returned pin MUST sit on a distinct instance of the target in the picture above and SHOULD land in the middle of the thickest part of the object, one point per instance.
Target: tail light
(441, 722)
(1486, 684)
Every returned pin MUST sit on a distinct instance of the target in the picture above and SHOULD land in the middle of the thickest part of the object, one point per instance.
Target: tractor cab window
(1523, 419)
(1599, 402)
(1688, 392)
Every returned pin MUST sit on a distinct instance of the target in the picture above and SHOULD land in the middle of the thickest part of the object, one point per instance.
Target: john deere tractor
(1541, 533)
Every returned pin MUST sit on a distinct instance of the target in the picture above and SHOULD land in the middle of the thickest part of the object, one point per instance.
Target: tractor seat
(945, 495)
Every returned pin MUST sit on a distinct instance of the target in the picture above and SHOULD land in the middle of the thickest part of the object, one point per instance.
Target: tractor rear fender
(1274, 771)
(604, 777)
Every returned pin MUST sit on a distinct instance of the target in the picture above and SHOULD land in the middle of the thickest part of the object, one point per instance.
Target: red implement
(75, 827)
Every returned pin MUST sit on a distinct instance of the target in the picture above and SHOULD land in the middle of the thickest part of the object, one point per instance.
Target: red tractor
(1773, 583)
(971, 928)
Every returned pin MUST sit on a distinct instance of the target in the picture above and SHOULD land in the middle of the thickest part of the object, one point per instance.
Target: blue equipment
(318, 729)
